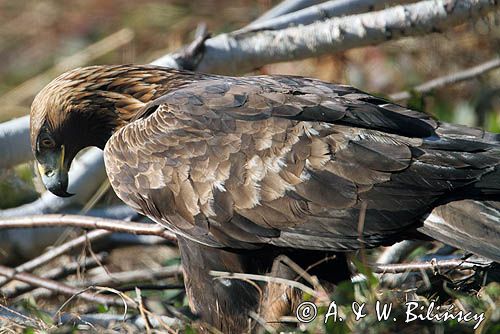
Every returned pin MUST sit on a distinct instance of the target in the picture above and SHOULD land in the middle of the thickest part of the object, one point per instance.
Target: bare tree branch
(90, 166)
(57, 251)
(286, 7)
(133, 276)
(432, 265)
(56, 274)
(450, 79)
(322, 11)
(86, 222)
(230, 53)
(15, 147)
(60, 288)
(104, 226)
(18, 244)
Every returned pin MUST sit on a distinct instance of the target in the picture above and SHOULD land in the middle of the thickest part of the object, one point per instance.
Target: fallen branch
(57, 251)
(86, 175)
(55, 274)
(286, 7)
(322, 11)
(111, 225)
(119, 279)
(15, 147)
(60, 288)
(17, 244)
(450, 79)
(103, 228)
(133, 276)
(433, 265)
(233, 53)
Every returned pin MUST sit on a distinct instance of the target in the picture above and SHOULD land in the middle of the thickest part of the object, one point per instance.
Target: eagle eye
(47, 143)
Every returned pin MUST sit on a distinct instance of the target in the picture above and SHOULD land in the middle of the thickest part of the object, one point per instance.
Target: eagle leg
(227, 303)
(222, 303)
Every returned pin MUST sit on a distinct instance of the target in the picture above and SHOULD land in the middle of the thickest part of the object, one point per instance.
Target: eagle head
(83, 107)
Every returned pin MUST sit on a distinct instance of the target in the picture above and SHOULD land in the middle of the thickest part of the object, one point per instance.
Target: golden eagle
(246, 169)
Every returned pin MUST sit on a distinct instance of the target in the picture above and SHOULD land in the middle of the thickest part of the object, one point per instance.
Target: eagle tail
(467, 224)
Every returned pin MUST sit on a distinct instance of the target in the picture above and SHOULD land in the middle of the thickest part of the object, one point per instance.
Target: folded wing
(293, 162)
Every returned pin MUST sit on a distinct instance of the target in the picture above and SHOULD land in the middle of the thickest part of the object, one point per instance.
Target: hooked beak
(54, 172)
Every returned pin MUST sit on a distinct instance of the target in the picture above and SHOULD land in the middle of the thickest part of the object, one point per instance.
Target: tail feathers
(490, 183)
(470, 225)
(493, 138)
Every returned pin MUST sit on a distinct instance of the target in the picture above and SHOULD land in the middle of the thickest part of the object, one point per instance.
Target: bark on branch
(111, 225)
(286, 7)
(15, 145)
(432, 265)
(235, 53)
(319, 12)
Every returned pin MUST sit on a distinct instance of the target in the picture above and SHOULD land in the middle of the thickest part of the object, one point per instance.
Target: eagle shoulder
(288, 161)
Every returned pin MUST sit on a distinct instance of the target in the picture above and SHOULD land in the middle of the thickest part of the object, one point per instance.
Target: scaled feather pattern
(270, 161)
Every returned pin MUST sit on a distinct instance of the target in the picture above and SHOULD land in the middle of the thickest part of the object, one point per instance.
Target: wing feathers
(235, 162)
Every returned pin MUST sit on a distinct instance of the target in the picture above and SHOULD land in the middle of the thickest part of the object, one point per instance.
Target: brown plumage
(241, 167)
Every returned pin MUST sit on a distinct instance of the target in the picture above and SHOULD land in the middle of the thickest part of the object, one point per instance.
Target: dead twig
(263, 278)
(60, 288)
(450, 79)
(55, 252)
(104, 227)
(93, 51)
(112, 225)
(433, 265)
(134, 276)
(190, 56)
(55, 274)
(143, 310)
(19, 318)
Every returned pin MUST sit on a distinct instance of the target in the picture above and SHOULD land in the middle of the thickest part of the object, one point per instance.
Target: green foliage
(32, 307)
(102, 308)
(493, 122)
(370, 293)
(416, 101)
(16, 186)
